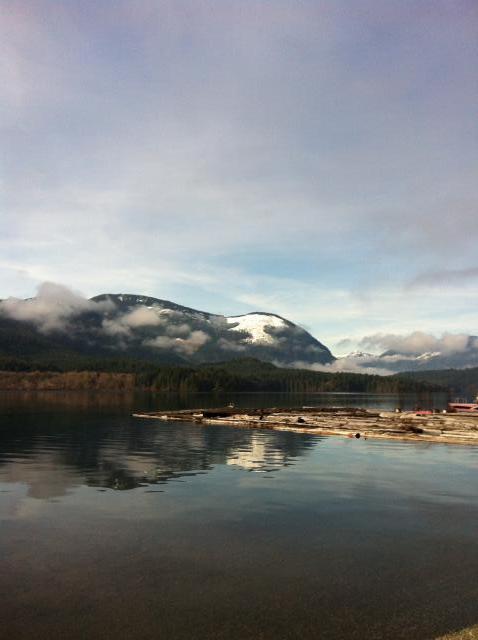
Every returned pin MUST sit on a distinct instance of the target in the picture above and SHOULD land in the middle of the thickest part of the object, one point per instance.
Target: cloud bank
(236, 153)
(52, 308)
(417, 343)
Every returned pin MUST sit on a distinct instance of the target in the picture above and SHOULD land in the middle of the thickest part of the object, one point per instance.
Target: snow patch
(255, 324)
(429, 355)
(361, 354)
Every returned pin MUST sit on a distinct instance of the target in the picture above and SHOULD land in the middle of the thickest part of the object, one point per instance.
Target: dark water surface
(114, 527)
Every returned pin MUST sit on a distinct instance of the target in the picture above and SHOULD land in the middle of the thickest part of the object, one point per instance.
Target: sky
(315, 159)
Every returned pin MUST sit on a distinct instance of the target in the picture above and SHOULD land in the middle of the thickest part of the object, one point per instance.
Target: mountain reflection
(54, 452)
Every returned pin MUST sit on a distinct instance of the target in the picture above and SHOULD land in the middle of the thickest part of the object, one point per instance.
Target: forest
(245, 374)
(459, 382)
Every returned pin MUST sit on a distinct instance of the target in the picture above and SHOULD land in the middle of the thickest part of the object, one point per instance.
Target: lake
(116, 527)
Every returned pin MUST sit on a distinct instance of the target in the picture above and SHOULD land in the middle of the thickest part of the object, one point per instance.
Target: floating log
(345, 421)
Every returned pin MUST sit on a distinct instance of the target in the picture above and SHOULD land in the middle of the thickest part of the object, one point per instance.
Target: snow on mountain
(360, 354)
(58, 320)
(138, 326)
(395, 361)
(257, 326)
(428, 355)
(163, 326)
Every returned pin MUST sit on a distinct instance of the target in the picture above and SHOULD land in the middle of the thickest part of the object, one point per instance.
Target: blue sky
(314, 159)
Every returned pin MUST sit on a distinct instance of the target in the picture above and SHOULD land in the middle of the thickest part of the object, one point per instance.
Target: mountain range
(395, 361)
(61, 324)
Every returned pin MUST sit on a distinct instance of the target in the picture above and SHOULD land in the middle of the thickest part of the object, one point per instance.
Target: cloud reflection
(53, 453)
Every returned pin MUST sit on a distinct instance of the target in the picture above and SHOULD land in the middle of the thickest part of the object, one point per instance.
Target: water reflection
(261, 455)
(55, 441)
(41, 401)
(354, 539)
(54, 452)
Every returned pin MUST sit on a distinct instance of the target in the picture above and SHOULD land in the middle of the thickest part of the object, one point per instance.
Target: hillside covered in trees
(59, 321)
(460, 382)
(245, 374)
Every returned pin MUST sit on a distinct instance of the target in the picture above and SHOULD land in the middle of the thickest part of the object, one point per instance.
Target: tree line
(237, 375)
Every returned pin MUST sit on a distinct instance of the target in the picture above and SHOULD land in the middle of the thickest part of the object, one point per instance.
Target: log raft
(453, 428)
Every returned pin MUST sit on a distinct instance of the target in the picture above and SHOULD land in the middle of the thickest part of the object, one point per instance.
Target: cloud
(297, 144)
(444, 277)
(343, 365)
(400, 352)
(52, 307)
(230, 345)
(345, 343)
(122, 325)
(114, 327)
(417, 342)
(183, 345)
(55, 306)
(142, 317)
(178, 330)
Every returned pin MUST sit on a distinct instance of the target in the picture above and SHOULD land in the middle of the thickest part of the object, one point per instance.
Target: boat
(459, 406)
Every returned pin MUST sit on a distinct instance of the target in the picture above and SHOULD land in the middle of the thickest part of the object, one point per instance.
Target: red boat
(463, 407)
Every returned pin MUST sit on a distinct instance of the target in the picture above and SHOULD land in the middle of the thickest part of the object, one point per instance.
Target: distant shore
(244, 374)
(66, 381)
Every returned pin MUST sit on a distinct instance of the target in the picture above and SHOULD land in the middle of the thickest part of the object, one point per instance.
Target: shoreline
(449, 428)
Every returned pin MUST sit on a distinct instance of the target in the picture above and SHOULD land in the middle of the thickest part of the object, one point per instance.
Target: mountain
(399, 361)
(142, 327)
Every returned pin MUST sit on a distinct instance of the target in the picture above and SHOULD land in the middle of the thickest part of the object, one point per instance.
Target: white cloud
(185, 345)
(52, 308)
(345, 365)
(417, 342)
(142, 317)
(296, 139)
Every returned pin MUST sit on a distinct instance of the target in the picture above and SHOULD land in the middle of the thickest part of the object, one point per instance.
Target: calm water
(113, 527)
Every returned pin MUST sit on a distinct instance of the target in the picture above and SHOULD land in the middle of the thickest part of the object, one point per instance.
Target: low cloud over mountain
(412, 352)
(52, 309)
(121, 325)
(145, 327)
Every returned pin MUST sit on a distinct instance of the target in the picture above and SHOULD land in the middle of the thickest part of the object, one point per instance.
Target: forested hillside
(61, 324)
(460, 382)
(237, 375)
